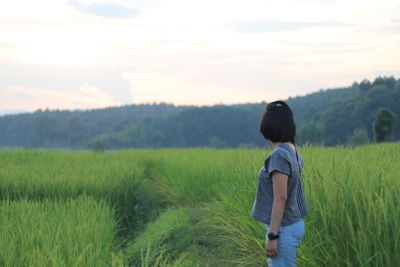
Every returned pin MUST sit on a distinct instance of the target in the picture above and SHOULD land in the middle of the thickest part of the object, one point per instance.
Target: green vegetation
(359, 137)
(190, 207)
(383, 125)
(328, 117)
(168, 226)
(168, 235)
(46, 233)
(37, 175)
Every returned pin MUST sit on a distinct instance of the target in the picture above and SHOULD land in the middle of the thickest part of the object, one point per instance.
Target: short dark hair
(277, 123)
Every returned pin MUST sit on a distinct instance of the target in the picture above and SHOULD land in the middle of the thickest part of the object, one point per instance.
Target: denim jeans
(289, 240)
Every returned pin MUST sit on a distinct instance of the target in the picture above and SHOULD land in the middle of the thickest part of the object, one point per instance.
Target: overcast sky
(70, 54)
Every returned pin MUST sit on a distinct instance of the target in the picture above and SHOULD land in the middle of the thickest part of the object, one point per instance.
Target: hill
(329, 117)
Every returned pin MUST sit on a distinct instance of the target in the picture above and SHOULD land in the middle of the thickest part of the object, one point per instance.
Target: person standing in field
(280, 201)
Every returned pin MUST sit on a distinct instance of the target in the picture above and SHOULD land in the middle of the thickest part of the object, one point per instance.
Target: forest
(330, 117)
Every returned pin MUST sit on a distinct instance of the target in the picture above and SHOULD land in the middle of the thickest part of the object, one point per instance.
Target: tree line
(361, 113)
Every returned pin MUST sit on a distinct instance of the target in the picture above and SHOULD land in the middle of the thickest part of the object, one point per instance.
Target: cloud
(258, 26)
(183, 57)
(395, 20)
(108, 10)
(69, 79)
(22, 96)
(386, 73)
(8, 45)
(86, 97)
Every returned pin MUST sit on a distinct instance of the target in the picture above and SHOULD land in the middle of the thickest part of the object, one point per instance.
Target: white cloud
(187, 51)
(106, 9)
(64, 78)
(88, 96)
(259, 26)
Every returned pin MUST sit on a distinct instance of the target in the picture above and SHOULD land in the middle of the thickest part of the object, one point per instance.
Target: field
(190, 207)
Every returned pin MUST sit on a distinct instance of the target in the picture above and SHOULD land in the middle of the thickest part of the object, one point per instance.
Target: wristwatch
(272, 236)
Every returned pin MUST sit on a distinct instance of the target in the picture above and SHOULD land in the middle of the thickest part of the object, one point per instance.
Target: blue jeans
(289, 240)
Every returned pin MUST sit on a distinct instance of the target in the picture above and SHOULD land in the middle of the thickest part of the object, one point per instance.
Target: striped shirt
(285, 160)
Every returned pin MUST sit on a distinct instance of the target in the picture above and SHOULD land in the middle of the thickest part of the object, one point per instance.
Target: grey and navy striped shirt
(283, 159)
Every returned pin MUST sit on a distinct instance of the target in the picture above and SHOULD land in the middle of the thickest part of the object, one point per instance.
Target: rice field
(46, 233)
(190, 207)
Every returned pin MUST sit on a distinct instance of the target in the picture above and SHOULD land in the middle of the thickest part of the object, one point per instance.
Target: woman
(280, 201)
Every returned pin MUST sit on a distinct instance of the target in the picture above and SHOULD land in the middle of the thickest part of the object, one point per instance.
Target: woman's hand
(271, 249)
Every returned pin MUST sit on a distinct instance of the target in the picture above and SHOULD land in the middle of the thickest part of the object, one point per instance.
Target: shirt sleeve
(278, 162)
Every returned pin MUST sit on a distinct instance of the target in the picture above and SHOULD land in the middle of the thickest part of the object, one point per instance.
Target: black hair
(277, 123)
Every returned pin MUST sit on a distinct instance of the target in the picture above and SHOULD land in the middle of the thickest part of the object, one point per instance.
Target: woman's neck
(276, 144)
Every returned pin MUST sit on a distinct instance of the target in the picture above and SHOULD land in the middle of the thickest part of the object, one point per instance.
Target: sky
(84, 54)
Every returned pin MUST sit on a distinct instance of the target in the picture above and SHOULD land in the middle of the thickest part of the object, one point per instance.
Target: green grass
(352, 194)
(196, 176)
(157, 237)
(113, 177)
(353, 197)
(177, 236)
(77, 232)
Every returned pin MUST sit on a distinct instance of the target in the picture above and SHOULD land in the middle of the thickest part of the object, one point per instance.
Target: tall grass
(48, 174)
(353, 198)
(76, 232)
(153, 242)
(116, 177)
(222, 182)
(195, 176)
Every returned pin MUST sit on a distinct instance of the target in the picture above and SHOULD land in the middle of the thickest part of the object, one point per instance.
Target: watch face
(272, 236)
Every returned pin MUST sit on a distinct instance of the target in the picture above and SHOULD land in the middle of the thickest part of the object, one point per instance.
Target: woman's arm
(279, 184)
